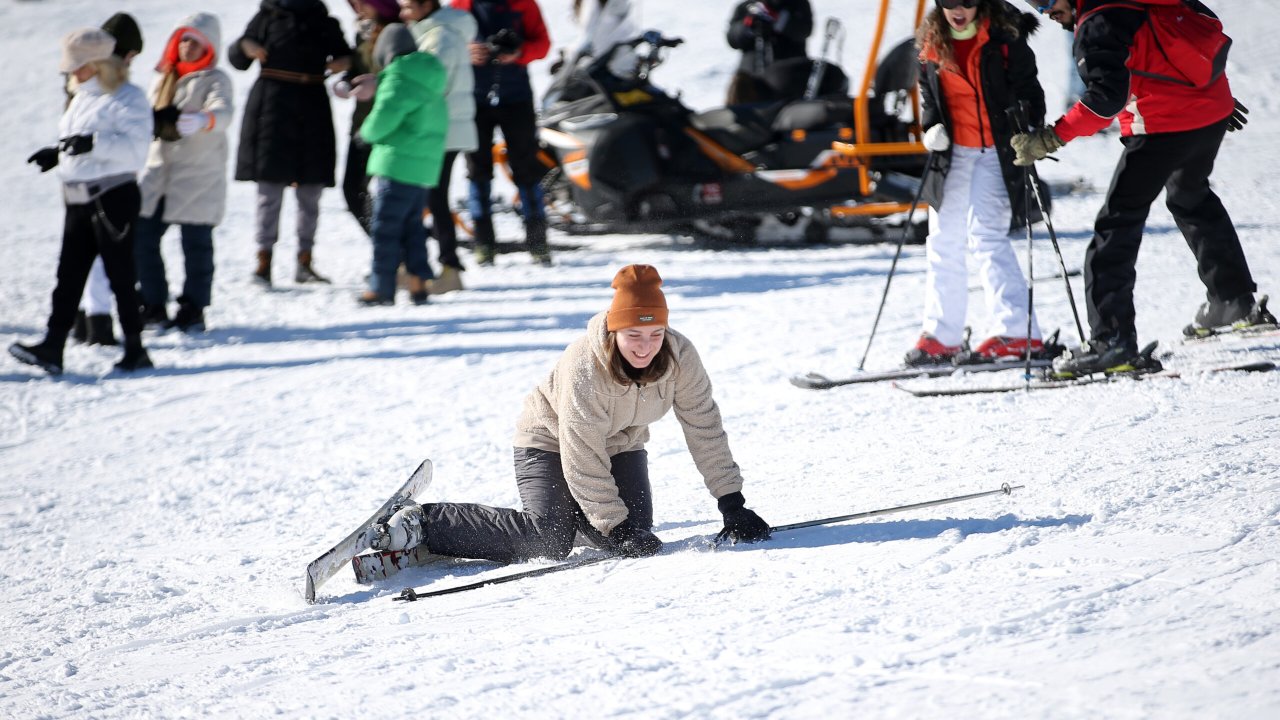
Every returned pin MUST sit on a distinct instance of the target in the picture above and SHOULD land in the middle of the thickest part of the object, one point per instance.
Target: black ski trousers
(104, 226)
(1179, 163)
(519, 125)
(550, 519)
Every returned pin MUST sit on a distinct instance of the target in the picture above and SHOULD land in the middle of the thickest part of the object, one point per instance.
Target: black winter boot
(535, 234)
(80, 330)
(101, 331)
(135, 356)
(46, 355)
(1113, 354)
(486, 242)
(1239, 313)
(154, 315)
(188, 319)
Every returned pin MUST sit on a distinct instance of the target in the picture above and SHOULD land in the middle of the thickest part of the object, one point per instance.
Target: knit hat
(388, 10)
(125, 30)
(394, 40)
(638, 299)
(83, 46)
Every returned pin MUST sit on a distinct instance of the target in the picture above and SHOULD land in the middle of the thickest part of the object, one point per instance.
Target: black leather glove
(631, 540)
(1237, 121)
(46, 158)
(77, 144)
(740, 524)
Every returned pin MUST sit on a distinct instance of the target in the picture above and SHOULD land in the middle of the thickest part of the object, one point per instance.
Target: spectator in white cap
(104, 135)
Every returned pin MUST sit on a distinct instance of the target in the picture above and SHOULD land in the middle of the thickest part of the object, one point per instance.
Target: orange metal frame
(863, 149)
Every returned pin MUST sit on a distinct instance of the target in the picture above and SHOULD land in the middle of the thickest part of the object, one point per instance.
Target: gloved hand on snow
(936, 139)
(1033, 146)
(77, 144)
(46, 158)
(740, 524)
(1237, 121)
(631, 540)
(190, 123)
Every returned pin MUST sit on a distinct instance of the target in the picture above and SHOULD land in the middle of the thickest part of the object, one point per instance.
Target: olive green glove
(1033, 146)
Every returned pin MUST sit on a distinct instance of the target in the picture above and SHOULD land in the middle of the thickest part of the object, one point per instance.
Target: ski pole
(1017, 121)
(1005, 489)
(410, 594)
(897, 253)
(1053, 236)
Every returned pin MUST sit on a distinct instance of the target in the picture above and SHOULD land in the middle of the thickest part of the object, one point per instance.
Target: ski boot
(929, 351)
(1215, 317)
(1111, 355)
(404, 530)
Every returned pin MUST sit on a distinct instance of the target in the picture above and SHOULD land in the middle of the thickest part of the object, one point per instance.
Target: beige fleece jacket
(581, 412)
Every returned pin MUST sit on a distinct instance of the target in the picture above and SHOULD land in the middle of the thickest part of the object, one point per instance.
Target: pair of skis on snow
(816, 381)
(370, 567)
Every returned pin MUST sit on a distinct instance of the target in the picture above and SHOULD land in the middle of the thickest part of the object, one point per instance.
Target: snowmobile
(625, 156)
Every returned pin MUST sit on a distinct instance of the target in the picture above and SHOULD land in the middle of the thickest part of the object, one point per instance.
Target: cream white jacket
(581, 412)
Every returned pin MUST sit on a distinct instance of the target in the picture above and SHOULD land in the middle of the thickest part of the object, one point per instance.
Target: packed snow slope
(155, 528)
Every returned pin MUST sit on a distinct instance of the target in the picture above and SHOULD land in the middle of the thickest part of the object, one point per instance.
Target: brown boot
(262, 276)
(306, 273)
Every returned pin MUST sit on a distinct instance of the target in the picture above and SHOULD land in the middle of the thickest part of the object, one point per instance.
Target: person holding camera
(766, 31)
(510, 34)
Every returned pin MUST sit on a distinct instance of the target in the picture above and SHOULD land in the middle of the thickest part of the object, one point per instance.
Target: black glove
(631, 540)
(165, 123)
(1237, 121)
(77, 144)
(46, 158)
(740, 524)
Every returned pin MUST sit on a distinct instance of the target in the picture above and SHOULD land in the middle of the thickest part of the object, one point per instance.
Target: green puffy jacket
(408, 122)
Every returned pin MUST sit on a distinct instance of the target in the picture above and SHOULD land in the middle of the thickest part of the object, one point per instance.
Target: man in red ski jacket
(1171, 133)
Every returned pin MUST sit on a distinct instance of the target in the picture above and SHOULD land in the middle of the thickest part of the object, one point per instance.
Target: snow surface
(156, 528)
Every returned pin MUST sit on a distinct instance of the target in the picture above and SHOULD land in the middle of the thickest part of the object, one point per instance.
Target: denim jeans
(197, 256)
(398, 234)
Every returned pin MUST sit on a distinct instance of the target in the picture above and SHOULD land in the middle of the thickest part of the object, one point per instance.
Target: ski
(817, 381)
(1051, 384)
(328, 564)
(411, 594)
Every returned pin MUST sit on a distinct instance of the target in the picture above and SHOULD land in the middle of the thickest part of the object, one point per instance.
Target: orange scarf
(169, 59)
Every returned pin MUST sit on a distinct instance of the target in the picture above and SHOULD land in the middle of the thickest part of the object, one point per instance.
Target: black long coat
(1007, 69)
(287, 133)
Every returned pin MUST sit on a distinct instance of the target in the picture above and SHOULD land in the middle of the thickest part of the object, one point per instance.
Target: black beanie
(125, 30)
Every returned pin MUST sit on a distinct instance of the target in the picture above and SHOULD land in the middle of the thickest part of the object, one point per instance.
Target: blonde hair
(112, 74)
(624, 374)
(934, 33)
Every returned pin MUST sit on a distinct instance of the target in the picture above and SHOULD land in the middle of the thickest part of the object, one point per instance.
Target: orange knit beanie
(638, 299)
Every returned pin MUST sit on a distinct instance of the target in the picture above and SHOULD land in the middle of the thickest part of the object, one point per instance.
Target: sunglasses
(953, 4)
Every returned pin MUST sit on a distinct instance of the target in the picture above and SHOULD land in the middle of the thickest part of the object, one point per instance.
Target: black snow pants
(104, 226)
(1180, 163)
(550, 519)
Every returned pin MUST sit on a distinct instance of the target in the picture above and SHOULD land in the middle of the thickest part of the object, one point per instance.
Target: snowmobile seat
(814, 114)
(739, 128)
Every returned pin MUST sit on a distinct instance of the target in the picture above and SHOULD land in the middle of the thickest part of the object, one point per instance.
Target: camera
(503, 42)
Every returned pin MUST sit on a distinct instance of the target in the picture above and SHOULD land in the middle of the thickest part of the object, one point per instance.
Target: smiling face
(640, 345)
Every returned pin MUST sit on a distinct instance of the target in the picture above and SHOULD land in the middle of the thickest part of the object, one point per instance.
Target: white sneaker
(402, 531)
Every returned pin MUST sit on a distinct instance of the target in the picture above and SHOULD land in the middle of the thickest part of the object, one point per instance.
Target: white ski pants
(98, 298)
(974, 217)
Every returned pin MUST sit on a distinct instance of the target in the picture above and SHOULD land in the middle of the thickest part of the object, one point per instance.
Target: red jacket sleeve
(537, 42)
